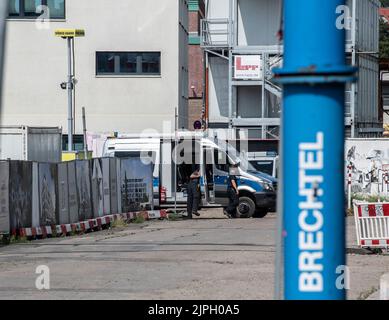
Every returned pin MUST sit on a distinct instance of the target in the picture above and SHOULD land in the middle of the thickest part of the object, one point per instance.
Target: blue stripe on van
(252, 184)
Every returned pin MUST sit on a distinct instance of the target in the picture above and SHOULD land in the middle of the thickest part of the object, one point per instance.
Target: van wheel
(246, 208)
(260, 213)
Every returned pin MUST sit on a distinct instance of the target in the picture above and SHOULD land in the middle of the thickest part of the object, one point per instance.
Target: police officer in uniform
(233, 194)
(194, 194)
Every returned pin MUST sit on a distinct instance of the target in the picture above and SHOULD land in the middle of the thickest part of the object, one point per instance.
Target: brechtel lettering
(311, 219)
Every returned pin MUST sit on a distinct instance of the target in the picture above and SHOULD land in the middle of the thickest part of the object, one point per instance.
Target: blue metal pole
(314, 76)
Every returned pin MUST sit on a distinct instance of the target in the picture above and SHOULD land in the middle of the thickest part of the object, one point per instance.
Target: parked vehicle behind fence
(265, 162)
(30, 143)
(257, 190)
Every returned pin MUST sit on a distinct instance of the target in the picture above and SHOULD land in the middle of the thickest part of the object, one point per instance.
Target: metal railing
(215, 33)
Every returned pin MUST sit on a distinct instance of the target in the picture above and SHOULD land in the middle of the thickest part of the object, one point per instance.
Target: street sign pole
(314, 76)
(69, 35)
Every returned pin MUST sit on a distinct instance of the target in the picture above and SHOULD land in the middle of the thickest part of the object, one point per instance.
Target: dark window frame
(22, 13)
(139, 66)
(78, 142)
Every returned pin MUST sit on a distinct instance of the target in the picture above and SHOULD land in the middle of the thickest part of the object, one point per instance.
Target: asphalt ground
(208, 258)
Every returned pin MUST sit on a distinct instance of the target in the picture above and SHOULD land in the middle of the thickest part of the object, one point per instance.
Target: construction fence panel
(4, 198)
(136, 185)
(113, 185)
(48, 177)
(20, 194)
(106, 187)
(97, 189)
(85, 211)
(372, 224)
(118, 185)
(73, 195)
(36, 195)
(63, 193)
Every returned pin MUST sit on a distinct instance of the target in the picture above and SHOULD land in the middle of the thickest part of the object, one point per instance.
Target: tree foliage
(385, 3)
(384, 35)
(384, 40)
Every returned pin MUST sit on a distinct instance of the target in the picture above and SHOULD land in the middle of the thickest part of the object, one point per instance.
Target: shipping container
(363, 30)
(367, 123)
(30, 143)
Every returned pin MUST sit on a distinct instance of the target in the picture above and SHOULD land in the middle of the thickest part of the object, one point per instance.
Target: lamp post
(69, 35)
(314, 77)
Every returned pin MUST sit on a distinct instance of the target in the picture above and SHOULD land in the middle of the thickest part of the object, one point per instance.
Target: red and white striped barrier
(372, 224)
(85, 226)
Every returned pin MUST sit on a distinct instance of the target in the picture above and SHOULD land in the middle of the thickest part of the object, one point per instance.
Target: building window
(128, 63)
(31, 8)
(78, 143)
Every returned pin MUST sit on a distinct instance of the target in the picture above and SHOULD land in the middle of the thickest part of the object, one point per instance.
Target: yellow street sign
(69, 33)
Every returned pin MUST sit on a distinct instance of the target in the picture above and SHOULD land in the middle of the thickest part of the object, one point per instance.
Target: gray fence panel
(73, 197)
(113, 185)
(35, 195)
(97, 189)
(63, 194)
(20, 203)
(106, 187)
(47, 192)
(84, 191)
(4, 197)
(44, 194)
(136, 185)
(118, 184)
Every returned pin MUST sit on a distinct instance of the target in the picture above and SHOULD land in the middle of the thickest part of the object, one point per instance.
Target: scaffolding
(220, 38)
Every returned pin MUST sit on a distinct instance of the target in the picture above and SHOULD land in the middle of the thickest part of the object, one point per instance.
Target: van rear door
(221, 173)
(208, 175)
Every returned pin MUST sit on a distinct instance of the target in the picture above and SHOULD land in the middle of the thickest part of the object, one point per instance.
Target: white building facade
(131, 67)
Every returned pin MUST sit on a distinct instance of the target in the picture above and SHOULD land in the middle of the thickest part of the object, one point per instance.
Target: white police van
(175, 157)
